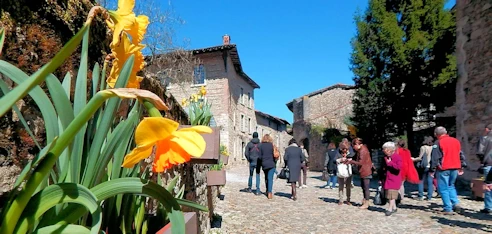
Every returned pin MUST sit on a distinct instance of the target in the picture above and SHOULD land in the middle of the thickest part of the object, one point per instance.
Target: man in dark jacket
(485, 155)
(446, 161)
(252, 153)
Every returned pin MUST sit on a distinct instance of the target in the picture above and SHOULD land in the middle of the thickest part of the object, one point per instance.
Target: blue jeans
(333, 179)
(250, 180)
(426, 178)
(487, 195)
(269, 179)
(445, 184)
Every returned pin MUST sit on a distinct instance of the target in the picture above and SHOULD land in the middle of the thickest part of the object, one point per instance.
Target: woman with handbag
(268, 162)
(423, 167)
(293, 159)
(344, 173)
(364, 163)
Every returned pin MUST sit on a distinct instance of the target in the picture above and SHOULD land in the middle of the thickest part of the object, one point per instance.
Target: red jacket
(446, 153)
(408, 171)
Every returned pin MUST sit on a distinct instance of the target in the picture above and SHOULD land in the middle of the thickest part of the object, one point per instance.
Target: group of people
(261, 155)
(438, 165)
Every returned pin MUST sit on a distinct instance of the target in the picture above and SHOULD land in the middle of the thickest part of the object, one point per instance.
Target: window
(249, 100)
(243, 146)
(241, 97)
(242, 123)
(199, 75)
(249, 125)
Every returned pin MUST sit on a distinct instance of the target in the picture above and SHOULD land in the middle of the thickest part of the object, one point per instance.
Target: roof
(280, 120)
(235, 60)
(335, 86)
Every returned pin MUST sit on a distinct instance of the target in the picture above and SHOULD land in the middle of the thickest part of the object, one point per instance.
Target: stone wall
(474, 55)
(326, 108)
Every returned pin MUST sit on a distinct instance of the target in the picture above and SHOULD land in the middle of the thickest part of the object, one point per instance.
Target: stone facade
(231, 93)
(325, 108)
(474, 55)
(277, 128)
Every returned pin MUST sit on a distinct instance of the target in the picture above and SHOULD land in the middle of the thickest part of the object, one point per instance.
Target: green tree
(403, 61)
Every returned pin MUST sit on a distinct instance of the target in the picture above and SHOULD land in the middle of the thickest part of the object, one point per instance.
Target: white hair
(440, 131)
(389, 145)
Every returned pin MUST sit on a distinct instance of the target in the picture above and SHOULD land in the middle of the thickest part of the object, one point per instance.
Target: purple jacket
(393, 178)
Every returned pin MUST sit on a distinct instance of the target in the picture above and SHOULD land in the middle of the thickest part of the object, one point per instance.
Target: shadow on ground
(216, 221)
(281, 194)
(463, 224)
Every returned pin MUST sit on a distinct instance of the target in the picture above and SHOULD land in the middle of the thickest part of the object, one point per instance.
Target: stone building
(474, 59)
(276, 127)
(321, 109)
(231, 92)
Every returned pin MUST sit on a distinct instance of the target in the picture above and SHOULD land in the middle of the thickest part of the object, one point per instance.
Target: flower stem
(153, 112)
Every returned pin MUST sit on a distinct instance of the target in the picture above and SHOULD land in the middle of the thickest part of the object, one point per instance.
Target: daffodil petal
(198, 128)
(138, 154)
(192, 142)
(125, 7)
(168, 154)
(152, 129)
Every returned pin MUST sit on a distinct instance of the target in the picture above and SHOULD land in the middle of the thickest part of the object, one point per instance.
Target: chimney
(226, 39)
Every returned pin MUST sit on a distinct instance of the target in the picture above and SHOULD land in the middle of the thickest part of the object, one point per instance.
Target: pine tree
(403, 61)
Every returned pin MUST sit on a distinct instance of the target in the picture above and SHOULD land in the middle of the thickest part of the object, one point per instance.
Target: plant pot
(224, 159)
(191, 225)
(212, 150)
(477, 188)
(216, 178)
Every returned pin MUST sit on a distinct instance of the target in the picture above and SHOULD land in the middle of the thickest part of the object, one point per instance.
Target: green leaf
(172, 183)
(63, 229)
(59, 194)
(67, 82)
(95, 78)
(21, 91)
(5, 89)
(60, 100)
(135, 186)
(79, 102)
(115, 141)
(37, 94)
(184, 202)
(2, 39)
(105, 124)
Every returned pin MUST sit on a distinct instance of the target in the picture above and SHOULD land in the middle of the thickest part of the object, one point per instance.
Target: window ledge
(198, 85)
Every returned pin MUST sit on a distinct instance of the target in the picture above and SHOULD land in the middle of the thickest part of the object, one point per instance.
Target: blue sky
(290, 48)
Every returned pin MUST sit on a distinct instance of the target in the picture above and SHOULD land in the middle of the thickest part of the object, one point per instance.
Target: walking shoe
(348, 203)
(420, 199)
(304, 186)
(486, 211)
(444, 212)
(270, 196)
(257, 193)
(388, 212)
(458, 209)
(340, 203)
(249, 190)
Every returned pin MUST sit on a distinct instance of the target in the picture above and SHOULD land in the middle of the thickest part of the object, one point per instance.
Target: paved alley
(317, 211)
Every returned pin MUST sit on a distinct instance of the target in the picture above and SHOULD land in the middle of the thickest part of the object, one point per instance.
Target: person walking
(393, 164)
(267, 162)
(293, 159)
(485, 155)
(408, 171)
(304, 166)
(364, 163)
(331, 166)
(252, 153)
(423, 168)
(344, 173)
(447, 164)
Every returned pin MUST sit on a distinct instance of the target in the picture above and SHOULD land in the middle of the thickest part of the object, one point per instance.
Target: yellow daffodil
(184, 102)
(194, 98)
(173, 146)
(124, 19)
(121, 53)
(203, 91)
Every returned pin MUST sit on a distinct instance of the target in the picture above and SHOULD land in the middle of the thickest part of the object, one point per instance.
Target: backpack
(254, 152)
(276, 153)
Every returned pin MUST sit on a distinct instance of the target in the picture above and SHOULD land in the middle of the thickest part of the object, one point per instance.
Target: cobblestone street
(317, 211)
